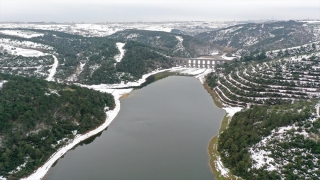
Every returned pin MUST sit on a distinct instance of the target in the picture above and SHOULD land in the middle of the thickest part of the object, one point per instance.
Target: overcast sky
(151, 10)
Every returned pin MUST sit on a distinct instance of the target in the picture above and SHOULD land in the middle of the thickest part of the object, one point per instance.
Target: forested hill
(273, 142)
(37, 117)
(175, 45)
(261, 36)
(87, 60)
(276, 136)
(140, 59)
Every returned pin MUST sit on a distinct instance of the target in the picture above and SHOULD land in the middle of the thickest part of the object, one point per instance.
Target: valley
(61, 84)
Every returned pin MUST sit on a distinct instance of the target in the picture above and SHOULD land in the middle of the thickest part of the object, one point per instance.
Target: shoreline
(217, 168)
(41, 171)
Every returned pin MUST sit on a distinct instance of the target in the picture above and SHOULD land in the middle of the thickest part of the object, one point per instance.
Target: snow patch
(158, 28)
(74, 132)
(311, 22)
(202, 77)
(191, 71)
(179, 46)
(261, 156)
(214, 53)
(19, 167)
(133, 36)
(21, 33)
(2, 82)
(317, 109)
(251, 41)
(227, 58)
(21, 52)
(24, 44)
(232, 110)
(219, 165)
(52, 91)
(120, 46)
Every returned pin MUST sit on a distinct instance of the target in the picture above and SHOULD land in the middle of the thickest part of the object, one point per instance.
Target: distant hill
(261, 36)
(171, 44)
(88, 60)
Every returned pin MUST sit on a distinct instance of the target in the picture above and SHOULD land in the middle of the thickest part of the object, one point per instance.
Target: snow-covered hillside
(105, 29)
(267, 36)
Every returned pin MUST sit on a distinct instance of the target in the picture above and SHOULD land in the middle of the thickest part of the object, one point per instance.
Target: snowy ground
(24, 44)
(214, 53)
(22, 52)
(201, 77)
(227, 58)
(232, 110)
(317, 110)
(179, 46)
(191, 71)
(120, 46)
(19, 168)
(260, 155)
(219, 166)
(21, 33)
(26, 49)
(311, 22)
(23, 48)
(2, 82)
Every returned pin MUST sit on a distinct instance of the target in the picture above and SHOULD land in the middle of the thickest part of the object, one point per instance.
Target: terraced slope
(282, 80)
(276, 136)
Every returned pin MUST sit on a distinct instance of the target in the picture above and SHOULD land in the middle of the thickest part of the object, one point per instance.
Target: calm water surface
(161, 132)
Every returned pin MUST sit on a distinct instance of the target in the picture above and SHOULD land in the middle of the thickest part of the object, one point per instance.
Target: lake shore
(220, 172)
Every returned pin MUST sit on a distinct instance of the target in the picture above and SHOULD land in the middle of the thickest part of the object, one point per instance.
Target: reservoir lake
(161, 132)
